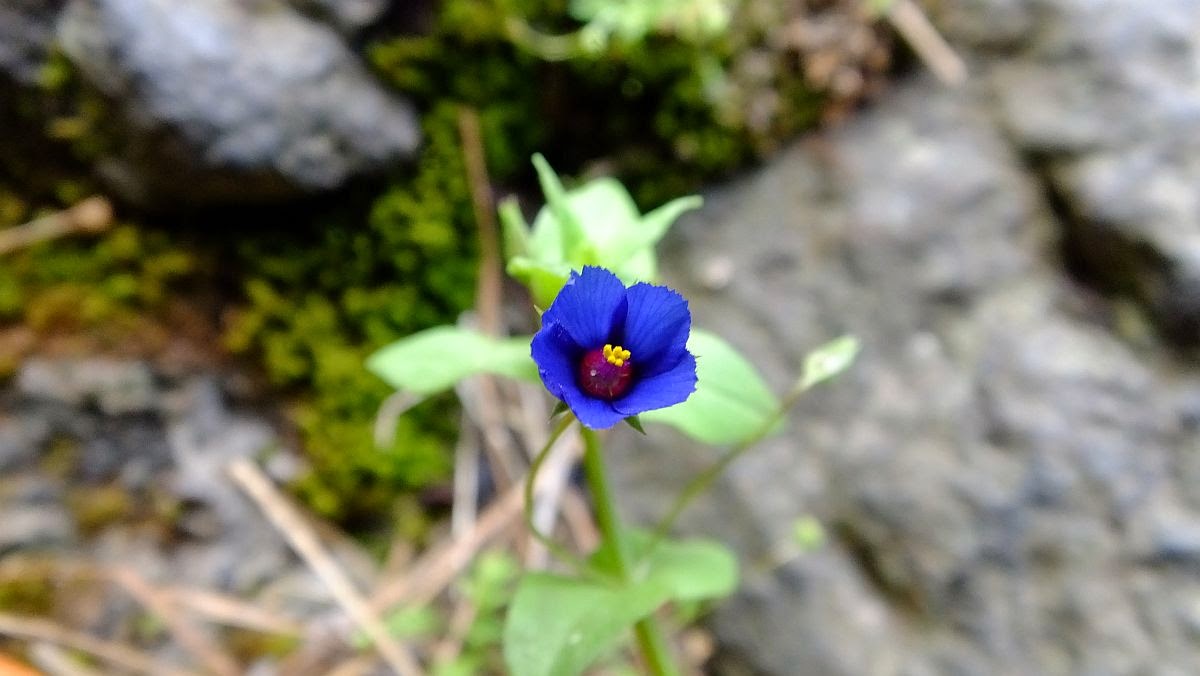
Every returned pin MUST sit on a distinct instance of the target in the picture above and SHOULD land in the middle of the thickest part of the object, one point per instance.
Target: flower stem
(530, 483)
(650, 638)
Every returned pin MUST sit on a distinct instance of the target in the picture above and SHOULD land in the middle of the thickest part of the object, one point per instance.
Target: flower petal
(660, 391)
(656, 328)
(594, 413)
(587, 307)
(557, 357)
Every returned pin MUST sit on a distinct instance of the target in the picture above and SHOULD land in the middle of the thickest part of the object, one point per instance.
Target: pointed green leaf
(435, 359)
(515, 229)
(829, 360)
(636, 424)
(731, 403)
(656, 223)
(569, 229)
(594, 224)
(560, 407)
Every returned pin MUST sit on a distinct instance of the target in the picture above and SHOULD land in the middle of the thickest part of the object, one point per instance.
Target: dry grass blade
(93, 214)
(193, 638)
(287, 519)
(52, 660)
(437, 568)
(123, 656)
(925, 40)
(450, 647)
(488, 291)
(465, 507)
(552, 482)
(233, 612)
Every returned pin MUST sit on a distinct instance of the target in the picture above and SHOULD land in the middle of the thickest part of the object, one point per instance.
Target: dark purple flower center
(605, 373)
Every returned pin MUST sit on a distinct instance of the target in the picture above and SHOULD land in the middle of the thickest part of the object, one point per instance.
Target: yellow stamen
(616, 355)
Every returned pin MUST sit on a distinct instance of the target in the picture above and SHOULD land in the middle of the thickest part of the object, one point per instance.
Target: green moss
(93, 284)
(666, 112)
(96, 507)
(319, 305)
(248, 646)
(31, 595)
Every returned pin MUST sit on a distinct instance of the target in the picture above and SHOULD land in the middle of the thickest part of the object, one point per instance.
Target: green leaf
(655, 224)
(544, 280)
(514, 227)
(829, 360)
(594, 224)
(636, 424)
(606, 217)
(407, 622)
(691, 570)
(568, 228)
(731, 403)
(557, 626)
(435, 359)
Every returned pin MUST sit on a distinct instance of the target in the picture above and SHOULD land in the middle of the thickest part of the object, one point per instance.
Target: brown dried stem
(92, 215)
(287, 519)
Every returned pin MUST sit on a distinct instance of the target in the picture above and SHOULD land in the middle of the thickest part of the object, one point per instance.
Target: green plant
(560, 624)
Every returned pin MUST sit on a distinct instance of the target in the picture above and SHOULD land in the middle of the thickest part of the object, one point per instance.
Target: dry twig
(925, 40)
(287, 519)
(437, 568)
(465, 507)
(131, 659)
(488, 291)
(53, 660)
(233, 612)
(92, 215)
(193, 639)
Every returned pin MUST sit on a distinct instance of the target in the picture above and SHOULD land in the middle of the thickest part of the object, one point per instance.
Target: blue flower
(611, 352)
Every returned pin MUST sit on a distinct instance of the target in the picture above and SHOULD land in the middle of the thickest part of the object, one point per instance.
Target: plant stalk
(650, 638)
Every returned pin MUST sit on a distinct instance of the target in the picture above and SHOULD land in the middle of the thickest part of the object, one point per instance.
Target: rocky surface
(214, 101)
(111, 462)
(1104, 98)
(26, 34)
(1008, 476)
(348, 16)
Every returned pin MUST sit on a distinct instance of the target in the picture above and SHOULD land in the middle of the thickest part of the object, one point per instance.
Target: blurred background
(211, 211)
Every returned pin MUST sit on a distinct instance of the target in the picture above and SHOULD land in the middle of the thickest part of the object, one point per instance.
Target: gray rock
(205, 436)
(34, 517)
(222, 100)
(1102, 97)
(348, 16)
(168, 445)
(1004, 481)
(26, 36)
(20, 440)
(116, 387)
